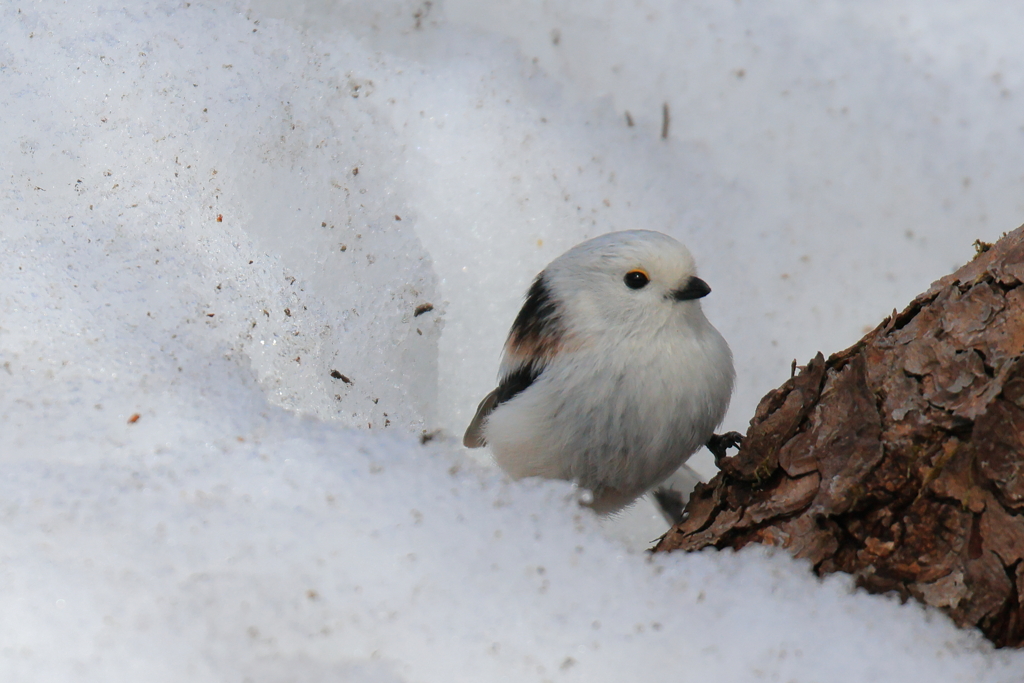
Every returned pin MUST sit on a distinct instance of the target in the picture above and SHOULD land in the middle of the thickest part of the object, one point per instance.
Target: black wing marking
(535, 332)
(538, 323)
(516, 382)
(511, 386)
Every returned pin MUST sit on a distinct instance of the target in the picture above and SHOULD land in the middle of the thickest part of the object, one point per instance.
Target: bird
(611, 375)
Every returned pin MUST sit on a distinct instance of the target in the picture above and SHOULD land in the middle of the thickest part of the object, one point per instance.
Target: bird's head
(625, 283)
(629, 284)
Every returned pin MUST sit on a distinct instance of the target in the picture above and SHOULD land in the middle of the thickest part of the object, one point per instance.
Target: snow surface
(223, 219)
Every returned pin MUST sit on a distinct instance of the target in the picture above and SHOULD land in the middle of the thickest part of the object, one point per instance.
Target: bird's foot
(718, 444)
(671, 503)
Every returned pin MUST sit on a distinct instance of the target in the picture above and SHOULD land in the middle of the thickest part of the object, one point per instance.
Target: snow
(223, 219)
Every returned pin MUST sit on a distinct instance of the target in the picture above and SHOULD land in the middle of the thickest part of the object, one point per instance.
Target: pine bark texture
(900, 460)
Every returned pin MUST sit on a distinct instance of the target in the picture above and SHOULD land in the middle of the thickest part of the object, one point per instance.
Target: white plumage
(611, 376)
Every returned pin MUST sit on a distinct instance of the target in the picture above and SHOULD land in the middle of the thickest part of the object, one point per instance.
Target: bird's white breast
(620, 414)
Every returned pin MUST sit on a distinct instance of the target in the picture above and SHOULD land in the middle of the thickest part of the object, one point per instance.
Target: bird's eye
(636, 279)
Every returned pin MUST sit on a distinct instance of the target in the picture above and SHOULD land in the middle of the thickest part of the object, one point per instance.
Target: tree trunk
(899, 460)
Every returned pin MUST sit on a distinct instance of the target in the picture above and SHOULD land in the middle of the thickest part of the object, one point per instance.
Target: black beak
(695, 288)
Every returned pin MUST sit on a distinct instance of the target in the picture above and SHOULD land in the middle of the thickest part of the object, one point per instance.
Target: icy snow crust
(213, 377)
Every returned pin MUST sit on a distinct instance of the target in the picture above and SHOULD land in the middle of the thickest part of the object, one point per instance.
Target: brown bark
(899, 460)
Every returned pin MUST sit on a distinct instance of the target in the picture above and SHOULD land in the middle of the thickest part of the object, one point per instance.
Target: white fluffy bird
(611, 376)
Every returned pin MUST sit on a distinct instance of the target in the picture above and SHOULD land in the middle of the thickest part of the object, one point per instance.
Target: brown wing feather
(536, 335)
(474, 437)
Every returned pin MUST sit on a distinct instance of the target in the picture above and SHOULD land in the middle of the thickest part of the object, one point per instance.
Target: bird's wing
(535, 335)
(474, 437)
(510, 386)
